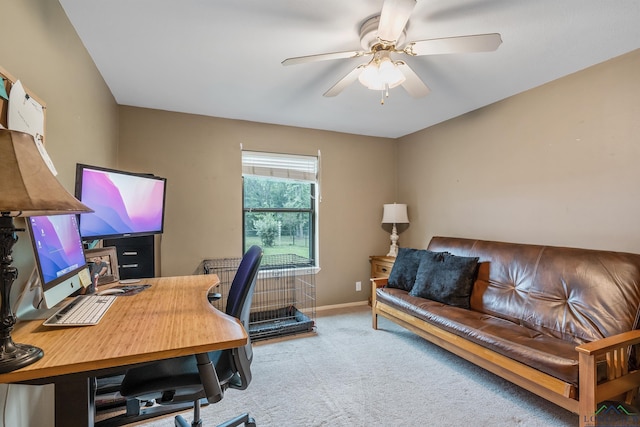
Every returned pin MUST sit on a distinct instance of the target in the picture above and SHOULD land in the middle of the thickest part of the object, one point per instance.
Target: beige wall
(555, 165)
(41, 49)
(201, 159)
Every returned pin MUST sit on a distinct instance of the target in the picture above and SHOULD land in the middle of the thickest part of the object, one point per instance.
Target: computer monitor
(125, 204)
(61, 266)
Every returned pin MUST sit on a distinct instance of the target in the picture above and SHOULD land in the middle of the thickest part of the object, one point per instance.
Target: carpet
(351, 375)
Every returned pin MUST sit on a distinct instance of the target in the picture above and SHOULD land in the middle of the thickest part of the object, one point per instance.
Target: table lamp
(394, 213)
(27, 188)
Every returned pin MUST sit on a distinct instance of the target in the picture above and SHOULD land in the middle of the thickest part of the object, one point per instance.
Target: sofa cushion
(553, 356)
(578, 295)
(405, 268)
(447, 279)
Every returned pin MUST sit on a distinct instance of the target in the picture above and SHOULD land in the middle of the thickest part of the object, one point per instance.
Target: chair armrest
(209, 378)
(214, 296)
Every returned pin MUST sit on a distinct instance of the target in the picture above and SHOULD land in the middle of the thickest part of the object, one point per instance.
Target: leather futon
(560, 322)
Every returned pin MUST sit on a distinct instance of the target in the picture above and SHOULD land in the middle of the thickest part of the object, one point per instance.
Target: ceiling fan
(383, 35)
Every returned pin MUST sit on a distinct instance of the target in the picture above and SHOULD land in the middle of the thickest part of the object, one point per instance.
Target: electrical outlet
(358, 286)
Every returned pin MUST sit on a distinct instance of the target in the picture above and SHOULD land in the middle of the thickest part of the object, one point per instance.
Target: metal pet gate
(284, 300)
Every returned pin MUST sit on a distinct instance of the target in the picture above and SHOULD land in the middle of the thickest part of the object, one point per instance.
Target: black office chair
(206, 375)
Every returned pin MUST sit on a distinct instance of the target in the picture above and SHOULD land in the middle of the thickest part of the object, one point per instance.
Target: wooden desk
(171, 318)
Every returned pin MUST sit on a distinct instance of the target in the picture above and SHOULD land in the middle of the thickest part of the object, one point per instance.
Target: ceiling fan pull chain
(384, 92)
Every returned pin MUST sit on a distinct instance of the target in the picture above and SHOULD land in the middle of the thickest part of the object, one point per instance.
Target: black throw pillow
(448, 279)
(405, 267)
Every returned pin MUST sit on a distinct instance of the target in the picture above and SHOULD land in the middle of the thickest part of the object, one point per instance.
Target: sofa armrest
(378, 282)
(607, 344)
(620, 382)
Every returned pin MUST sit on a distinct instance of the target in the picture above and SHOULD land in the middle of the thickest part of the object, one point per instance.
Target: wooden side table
(381, 265)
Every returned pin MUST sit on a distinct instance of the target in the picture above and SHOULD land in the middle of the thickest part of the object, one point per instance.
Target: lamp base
(12, 356)
(18, 357)
(393, 249)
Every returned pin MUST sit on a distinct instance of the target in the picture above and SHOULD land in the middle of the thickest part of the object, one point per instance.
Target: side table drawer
(381, 265)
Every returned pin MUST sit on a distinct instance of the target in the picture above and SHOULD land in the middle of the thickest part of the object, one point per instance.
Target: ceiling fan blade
(412, 84)
(345, 81)
(393, 18)
(323, 57)
(461, 44)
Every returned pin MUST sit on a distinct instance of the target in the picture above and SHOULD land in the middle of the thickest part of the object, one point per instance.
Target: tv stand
(136, 256)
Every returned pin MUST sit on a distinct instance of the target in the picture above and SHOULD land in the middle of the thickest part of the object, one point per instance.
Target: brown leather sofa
(560, 322)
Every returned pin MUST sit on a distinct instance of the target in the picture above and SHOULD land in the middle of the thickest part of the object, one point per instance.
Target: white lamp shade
(395, 213)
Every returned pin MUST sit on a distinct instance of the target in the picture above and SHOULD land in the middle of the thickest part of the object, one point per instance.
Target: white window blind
(283, 166)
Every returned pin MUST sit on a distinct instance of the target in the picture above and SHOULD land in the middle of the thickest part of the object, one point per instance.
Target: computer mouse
(111, 291)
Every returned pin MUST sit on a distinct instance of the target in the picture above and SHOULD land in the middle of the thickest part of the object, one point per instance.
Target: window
(279, 204)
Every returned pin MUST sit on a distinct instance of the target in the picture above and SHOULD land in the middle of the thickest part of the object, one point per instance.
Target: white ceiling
(222, 57)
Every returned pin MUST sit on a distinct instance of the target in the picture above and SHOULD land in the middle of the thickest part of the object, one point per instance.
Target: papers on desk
(132, 289)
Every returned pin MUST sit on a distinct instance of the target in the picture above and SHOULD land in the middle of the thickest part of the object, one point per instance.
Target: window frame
(311, 211)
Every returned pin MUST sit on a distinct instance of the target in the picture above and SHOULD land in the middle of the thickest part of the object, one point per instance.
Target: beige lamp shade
(27, 186)
(395, 213)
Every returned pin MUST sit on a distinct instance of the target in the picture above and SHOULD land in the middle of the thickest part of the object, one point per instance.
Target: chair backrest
(172, 380)
(241, 291)
(239, 306)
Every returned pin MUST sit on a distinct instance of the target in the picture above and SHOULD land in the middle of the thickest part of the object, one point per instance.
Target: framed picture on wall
(104, 263)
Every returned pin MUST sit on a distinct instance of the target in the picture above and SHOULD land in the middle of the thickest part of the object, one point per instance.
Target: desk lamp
(28, 188)
(394, 213)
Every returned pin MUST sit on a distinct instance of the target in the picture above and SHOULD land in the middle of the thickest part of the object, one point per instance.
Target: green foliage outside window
(267, 229)
(279, 214)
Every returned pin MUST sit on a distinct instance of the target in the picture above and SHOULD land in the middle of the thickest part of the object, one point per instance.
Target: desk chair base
(197, 421)
(237, 421)
(137, 412)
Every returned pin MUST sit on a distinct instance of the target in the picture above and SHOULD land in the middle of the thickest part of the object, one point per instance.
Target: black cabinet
(136, 256)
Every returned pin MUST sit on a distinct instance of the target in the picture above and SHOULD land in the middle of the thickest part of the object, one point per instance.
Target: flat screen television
(59, 255)
(125, 204)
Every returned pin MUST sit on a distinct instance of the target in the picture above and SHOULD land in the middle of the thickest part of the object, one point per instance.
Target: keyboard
(82, 311)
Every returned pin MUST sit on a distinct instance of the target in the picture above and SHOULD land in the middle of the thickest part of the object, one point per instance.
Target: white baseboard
(345, 305)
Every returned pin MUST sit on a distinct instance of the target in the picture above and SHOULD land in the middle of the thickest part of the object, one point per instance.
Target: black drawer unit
(135, 256)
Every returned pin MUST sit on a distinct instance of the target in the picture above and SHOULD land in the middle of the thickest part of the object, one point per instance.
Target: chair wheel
(250, 423)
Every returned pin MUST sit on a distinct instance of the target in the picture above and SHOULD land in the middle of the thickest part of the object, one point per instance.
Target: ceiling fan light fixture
(391, 74)
(382, 35)
(381, 74)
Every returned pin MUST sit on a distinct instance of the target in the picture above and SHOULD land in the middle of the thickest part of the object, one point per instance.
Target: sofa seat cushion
(548, 354)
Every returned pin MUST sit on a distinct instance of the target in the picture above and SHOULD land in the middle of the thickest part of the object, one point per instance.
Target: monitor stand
(30, 304)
